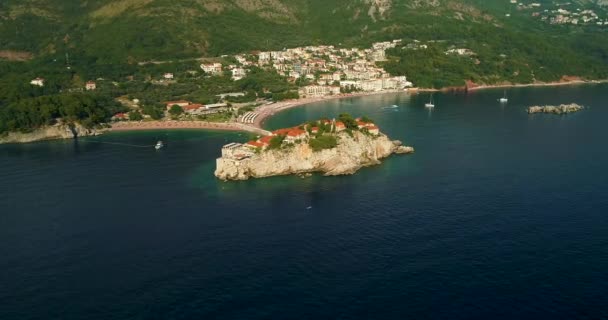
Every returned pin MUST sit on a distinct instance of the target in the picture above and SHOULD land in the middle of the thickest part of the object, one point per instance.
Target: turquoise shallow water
(499, 214)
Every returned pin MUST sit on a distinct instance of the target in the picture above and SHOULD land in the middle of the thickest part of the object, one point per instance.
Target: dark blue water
(498, 215)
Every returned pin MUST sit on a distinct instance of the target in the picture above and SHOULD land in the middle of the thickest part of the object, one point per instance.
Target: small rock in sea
(561, 109)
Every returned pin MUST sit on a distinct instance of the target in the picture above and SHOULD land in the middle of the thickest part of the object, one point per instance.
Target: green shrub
(323, 142)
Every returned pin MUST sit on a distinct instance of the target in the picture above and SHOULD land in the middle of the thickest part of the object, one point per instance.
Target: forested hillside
(110, 30)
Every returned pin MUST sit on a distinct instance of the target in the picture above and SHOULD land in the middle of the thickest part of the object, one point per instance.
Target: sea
(498, 215)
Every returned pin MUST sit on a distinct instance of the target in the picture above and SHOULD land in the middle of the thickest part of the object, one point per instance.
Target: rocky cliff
(60, 131)
(351, 154)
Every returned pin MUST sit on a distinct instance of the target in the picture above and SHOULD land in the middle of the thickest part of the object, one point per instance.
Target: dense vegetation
(30, 113)
(323, 142)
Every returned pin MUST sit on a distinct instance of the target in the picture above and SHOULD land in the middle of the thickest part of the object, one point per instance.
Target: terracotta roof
(193, 106)
(296, 132)
(265, 139)
(282, 132)
(340, 124)
(255, 144)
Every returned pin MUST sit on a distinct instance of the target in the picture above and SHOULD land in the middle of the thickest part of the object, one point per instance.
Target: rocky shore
(561, 109)
(351, 154)
(59, 131)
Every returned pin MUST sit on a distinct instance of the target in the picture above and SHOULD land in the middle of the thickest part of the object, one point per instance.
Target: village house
(255, 145)
(238, 73)
(373, 130)
(181, 103)
(120, 117)
(37, 82)
(213, 68)
(193, 108)
(90, 85)
(296, 134)
(168, 75)
(361, 124)
(339, 126)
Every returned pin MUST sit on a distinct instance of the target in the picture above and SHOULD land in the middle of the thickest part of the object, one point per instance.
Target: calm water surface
(499, 214)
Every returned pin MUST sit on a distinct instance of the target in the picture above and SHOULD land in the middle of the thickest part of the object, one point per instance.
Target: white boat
(430, 104)
(504, 98)
(159, 145)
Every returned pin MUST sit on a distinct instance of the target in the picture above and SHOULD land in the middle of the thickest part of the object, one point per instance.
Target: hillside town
(564, 13)
(316, 71)
(326, 70)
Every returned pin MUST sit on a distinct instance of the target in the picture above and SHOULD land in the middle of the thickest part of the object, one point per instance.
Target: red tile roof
(282, 132)
(265, 139)
(296, 132)
(340, 124)
(255, 144)
(193, 106)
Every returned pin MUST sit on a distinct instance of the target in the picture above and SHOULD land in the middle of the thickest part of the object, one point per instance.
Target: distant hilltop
(332, 147)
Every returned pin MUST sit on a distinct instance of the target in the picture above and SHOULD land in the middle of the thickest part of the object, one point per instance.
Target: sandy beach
(172, 124)
(269, 110)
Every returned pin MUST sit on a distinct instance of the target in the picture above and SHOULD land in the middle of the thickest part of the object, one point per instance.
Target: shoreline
(267, 111)
(173, 124)
(537, 84)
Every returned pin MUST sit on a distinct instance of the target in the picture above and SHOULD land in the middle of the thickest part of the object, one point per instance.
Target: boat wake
(391, 107)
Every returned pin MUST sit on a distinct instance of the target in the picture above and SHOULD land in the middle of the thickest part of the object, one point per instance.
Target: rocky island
(561, 109)
(331, 147)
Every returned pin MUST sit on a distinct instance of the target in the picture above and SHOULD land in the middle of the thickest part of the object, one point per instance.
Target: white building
(319, 91)
(37, 82)
(238, 73)
(90, 85)
(212, 68)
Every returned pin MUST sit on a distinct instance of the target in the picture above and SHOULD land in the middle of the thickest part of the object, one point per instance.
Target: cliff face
(63, 131)
(351, 154)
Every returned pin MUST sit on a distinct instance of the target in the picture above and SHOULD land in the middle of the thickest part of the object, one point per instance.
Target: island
(331, 147)
(561, 109)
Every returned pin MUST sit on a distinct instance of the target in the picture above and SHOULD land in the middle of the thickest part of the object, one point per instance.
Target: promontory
(330, 147)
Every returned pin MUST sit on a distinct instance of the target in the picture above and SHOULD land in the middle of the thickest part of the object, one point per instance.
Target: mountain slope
(145, 29)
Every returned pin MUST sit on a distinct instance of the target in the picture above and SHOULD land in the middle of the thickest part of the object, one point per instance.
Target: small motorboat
(159, 145)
